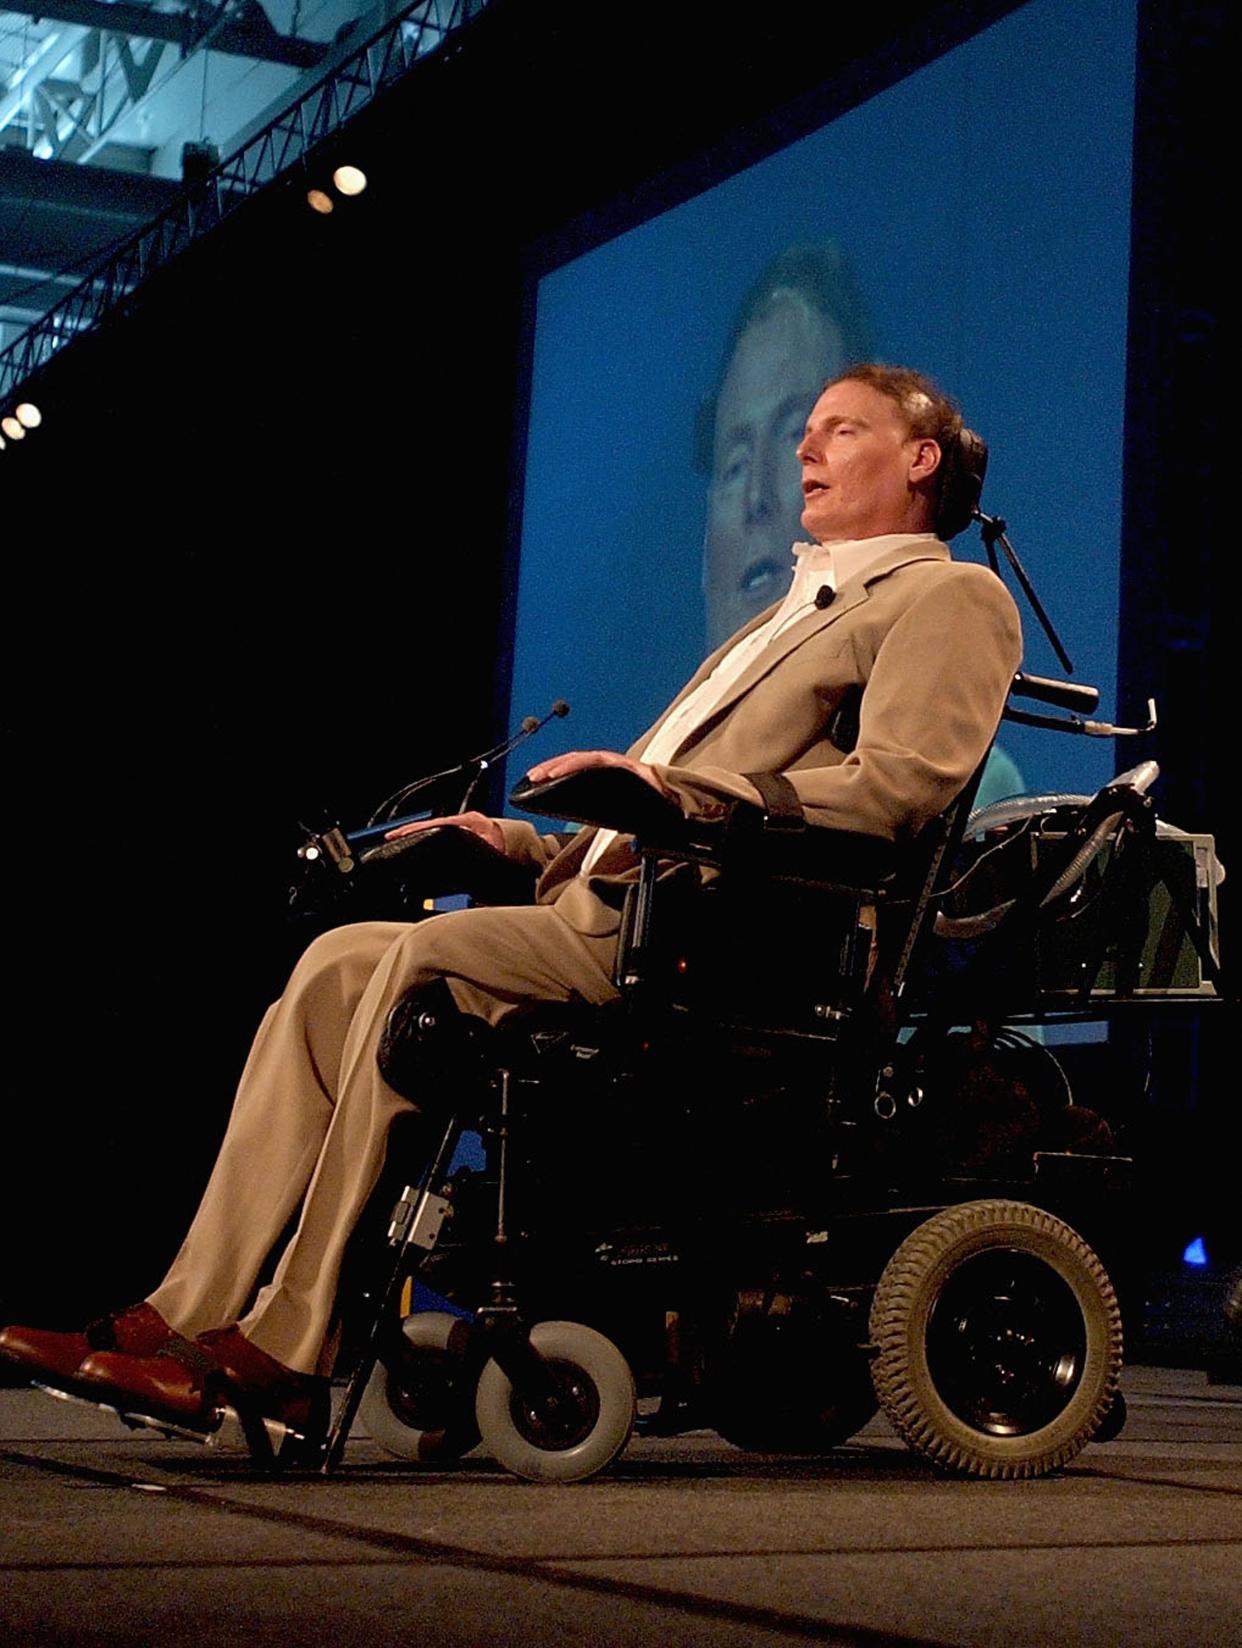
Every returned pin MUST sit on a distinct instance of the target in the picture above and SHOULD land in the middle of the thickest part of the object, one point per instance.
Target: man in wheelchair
(863, 702)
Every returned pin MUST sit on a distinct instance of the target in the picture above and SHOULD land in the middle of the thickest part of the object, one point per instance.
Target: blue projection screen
(973, 221)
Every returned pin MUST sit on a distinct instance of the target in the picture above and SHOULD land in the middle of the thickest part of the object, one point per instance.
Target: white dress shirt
(815, 565)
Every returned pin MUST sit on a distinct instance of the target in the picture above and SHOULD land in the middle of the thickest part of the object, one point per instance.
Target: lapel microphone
(825, 595)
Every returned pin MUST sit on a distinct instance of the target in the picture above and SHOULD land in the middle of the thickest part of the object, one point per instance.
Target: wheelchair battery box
(1119, 935)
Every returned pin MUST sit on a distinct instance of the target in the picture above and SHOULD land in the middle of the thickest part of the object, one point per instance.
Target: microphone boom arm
(476, 765)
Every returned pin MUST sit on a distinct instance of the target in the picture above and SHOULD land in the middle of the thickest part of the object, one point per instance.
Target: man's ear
(926, 460)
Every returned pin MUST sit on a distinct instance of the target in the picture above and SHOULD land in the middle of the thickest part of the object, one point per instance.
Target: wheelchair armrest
(447, 859)
(611, 797)
(747, 841)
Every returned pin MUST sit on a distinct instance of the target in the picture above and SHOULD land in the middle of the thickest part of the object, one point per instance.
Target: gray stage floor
(113, 1537)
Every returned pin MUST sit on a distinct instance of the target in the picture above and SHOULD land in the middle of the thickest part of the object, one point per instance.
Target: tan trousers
(311, 1117)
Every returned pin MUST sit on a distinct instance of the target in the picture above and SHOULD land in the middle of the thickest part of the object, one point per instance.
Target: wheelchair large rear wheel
(419, 1405)
(998, 1340)
(593, 1417)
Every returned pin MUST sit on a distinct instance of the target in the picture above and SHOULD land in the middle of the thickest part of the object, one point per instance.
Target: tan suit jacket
(934, 644)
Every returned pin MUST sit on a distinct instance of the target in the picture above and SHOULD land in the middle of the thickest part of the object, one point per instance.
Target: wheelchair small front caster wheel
(583, 1430)
(421, 1407)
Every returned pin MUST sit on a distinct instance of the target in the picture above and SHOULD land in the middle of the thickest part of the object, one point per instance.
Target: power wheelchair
(810, 1165)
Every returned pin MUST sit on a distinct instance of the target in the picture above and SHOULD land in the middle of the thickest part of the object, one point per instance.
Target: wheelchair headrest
(959, 482)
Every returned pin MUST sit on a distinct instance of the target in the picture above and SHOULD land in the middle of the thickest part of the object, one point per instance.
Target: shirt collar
(837, 563)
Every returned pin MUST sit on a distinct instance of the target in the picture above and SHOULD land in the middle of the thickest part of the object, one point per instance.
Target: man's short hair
(930, 414)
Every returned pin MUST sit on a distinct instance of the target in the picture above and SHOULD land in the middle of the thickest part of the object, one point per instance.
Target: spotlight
(350, 180)
(29, 416)
(12, 429)
(318, 201)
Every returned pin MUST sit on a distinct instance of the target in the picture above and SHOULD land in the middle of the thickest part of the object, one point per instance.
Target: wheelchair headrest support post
(992, 528)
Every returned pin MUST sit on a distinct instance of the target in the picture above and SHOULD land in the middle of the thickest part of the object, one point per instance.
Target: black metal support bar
(384, 1318)
(993, 529)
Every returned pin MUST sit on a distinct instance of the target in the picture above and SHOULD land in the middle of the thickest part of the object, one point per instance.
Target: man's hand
(560, 766)
(478, 824)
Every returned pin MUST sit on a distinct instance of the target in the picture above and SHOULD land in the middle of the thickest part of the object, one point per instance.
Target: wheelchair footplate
(269, 1443)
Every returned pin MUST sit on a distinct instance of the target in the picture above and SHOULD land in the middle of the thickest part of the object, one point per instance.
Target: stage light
(29, 416)
(1195, 1254)
(350, 180)
(318, 201)
(12, 429)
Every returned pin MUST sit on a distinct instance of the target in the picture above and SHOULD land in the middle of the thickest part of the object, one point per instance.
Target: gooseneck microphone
(475, 765)
(344, 850)
(532, 723)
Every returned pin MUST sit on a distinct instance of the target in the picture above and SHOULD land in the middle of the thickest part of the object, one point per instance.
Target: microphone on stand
(386, 810)
(530, 725)
(344, 849)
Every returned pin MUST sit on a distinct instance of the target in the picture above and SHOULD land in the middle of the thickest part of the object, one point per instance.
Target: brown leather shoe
(188, 1382)
(54, 1358)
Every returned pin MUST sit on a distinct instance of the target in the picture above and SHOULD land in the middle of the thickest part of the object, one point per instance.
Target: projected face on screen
(798, 326)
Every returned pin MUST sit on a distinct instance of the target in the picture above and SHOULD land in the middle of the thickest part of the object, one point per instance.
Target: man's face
(861, 467)
(754, 502)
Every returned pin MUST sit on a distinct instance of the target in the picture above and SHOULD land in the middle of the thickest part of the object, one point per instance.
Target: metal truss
(373, 66)
(68, 116)
(68, 113)
(238, 27)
